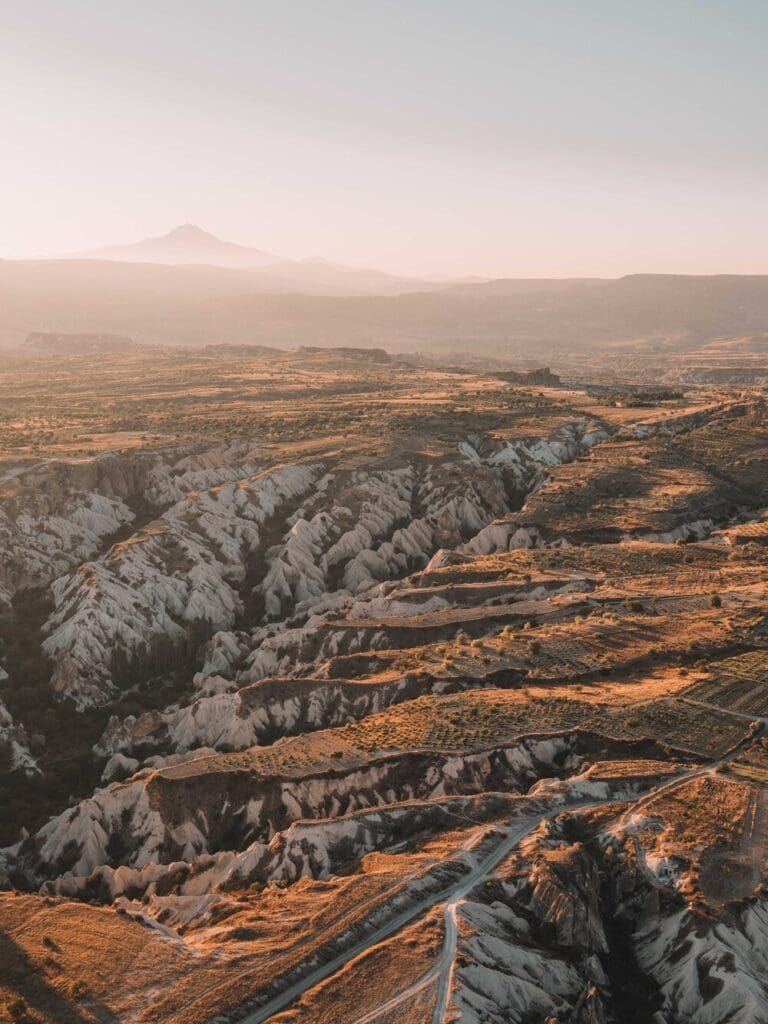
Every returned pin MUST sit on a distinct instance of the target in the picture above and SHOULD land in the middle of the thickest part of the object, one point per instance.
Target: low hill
(77, 344)
(555, 322)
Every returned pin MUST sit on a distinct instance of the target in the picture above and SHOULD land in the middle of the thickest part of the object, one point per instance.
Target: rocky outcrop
(564, 899)
(184, 570)
(14, 744)
(179, 813)
(55, 514)
(183, 576)
(708, 962)
(255, 715)
(541, 377)
(532, 940)
(305, 849)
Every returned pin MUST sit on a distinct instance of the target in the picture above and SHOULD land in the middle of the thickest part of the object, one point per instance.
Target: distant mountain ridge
(552, 322)
(190, 246)
(186, 243)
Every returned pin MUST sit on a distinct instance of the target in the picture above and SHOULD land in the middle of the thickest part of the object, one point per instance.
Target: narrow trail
(447, 960)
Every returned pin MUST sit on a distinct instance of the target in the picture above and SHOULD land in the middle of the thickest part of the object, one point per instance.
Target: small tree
(17, 1009)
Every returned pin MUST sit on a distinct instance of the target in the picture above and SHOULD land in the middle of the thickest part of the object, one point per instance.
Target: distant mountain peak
(191, 231)
(186, 243)
(189, 245)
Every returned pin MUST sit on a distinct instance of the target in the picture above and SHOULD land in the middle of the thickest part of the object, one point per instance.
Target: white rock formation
(14, 739)
(184, 569)
(55, 514)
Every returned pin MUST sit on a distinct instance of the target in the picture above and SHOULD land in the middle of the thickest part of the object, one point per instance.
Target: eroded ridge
(459, 717)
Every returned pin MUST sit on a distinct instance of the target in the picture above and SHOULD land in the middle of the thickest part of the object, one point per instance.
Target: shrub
(78, 989)
(17, 1009)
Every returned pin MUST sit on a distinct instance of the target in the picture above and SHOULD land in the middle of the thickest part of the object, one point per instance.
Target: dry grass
(634, 769)
(75, 406)
(381, 973)
(719, 819)
(752, 764)
(72, 963)
(738, 684)
(483, 719)
(724, 843)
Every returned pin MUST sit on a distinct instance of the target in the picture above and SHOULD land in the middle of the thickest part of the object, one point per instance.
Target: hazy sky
(503, 137)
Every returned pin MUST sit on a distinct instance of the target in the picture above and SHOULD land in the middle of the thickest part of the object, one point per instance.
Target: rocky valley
(340, 688)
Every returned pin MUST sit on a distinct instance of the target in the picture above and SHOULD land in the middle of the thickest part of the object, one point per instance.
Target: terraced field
(737, 684)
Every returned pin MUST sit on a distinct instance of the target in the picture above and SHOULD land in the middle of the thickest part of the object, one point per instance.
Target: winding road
(441, 971)
(481, 868)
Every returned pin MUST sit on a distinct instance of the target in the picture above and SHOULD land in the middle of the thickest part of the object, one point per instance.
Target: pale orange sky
(498, 138)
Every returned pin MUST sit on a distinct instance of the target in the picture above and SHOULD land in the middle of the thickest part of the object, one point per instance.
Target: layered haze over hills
(189, 245)
(190, 288)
